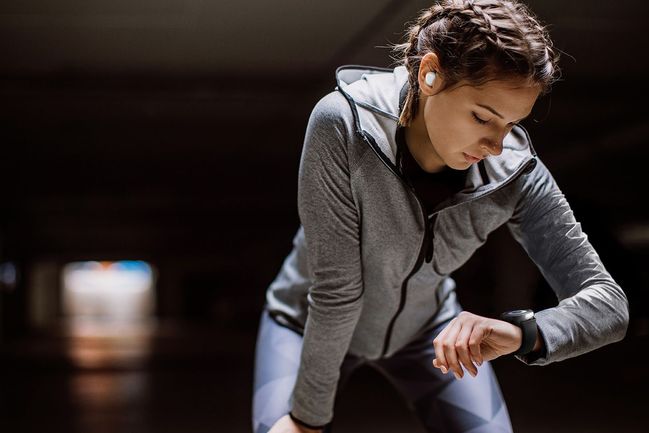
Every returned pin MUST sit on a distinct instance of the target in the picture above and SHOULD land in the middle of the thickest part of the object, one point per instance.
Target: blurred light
(110, 291)
(634, 235)
(105, 389)
(8, 276)
(109, 401)
(109, 312)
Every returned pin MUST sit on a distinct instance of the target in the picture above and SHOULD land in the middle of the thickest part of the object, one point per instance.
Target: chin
(463, 165)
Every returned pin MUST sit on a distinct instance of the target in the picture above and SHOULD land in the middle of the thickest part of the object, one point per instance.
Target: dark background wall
(170, 131)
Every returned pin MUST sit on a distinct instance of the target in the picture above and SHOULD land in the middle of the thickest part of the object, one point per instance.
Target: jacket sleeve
(331, 226)
(593, 310)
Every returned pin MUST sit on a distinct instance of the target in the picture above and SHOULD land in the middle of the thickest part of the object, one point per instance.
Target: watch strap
(529, 336)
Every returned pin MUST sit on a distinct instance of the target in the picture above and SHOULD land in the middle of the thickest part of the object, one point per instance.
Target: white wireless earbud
(430, 77)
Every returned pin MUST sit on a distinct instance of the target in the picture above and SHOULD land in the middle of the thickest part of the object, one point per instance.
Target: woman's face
(461, 125)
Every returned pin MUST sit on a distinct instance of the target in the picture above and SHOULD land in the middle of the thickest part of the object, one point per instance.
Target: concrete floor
(198, 379)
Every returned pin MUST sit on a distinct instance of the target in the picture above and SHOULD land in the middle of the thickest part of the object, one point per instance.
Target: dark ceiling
(173, 128)
(261, 38)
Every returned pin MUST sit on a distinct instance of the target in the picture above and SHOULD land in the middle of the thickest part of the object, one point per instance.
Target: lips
(470, 159)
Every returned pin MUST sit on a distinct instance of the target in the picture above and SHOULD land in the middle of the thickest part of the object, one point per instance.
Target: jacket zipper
(425, 250)
(425, 253)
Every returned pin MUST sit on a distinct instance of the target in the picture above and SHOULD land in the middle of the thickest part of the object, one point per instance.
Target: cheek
(469, 133)
(452, 134)
(451, 131)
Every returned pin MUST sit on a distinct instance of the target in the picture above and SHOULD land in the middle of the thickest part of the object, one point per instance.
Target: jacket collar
(376, 96)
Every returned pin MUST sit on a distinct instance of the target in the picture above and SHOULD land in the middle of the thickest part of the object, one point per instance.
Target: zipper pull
(431, 236)
(429, 252)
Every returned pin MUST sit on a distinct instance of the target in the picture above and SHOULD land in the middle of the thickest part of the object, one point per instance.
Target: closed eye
(482, 122)
(479, 120)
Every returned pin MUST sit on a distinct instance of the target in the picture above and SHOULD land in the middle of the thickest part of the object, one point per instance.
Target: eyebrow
(497, 113)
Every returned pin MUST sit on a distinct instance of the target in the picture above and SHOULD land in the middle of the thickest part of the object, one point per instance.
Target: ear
(429, 63)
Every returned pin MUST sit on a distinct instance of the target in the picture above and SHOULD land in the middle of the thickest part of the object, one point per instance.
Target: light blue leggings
(442, 403)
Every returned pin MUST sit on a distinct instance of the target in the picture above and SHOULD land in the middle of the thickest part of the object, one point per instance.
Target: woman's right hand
(286, 425)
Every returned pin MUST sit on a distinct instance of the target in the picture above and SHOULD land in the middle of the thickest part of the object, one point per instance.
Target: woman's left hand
(470, 338)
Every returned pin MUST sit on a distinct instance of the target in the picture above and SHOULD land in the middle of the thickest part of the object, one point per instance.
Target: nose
(493, 147)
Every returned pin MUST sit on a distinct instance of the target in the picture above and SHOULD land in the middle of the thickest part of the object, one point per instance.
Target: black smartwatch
(525, 320)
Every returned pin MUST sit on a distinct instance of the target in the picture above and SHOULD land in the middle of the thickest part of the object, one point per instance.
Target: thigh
(443, 403)
(277, 360)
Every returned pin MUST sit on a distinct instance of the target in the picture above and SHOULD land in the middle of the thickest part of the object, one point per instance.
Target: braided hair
(477, 41)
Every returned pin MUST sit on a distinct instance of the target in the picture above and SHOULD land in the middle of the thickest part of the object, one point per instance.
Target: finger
(462, 348)
(438, 364)
(477, 335)
(439, 349)
(448, 346)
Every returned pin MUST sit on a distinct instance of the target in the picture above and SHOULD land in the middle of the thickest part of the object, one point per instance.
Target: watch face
(519, 312)
(518, 315)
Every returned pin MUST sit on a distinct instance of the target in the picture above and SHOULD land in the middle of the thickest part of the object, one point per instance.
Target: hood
(376, 96)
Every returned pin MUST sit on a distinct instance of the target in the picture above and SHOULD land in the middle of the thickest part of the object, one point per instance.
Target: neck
(419, 144)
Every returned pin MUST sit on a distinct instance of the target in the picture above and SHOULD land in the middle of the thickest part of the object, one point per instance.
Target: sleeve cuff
(303, 424)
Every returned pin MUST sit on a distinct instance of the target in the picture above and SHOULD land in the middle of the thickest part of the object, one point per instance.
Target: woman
(403, 175)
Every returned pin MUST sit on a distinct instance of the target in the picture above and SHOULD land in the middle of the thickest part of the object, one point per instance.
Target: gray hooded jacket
(369, 270)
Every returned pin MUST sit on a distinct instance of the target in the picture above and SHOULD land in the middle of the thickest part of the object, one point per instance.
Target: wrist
(529, 333)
